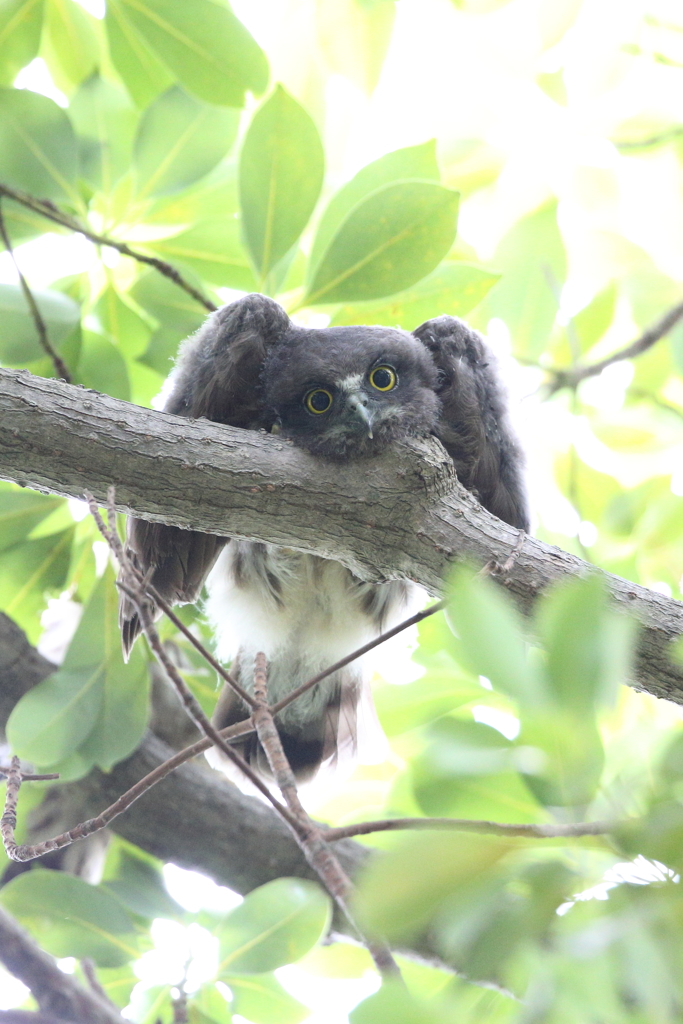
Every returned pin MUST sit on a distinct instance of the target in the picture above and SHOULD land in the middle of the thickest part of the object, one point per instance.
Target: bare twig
(41, 328)
(494, 828)
(29, 777)
(90, 974)
(311, 839)
(48, 210)
(572, 377)
(650, 141)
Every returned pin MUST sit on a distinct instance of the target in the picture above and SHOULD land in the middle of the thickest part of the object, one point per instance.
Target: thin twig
(41, 328)
(48, 210)
(494, 828)
(572, 377)
(310, 837)
(29, 777)
(90, 975)
(650, 141)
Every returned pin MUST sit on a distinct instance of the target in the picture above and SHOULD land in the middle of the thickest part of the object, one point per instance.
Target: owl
(341, 393)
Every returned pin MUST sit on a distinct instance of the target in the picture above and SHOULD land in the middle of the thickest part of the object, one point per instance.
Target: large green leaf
(122, 323)
(20, 26)
(394, 1004)
(105, 122)
(401, 708)
(19, 342)
(413, 162)
(201, 43)
(70, 42)
(531, 259)
(38, 151)
(214, 250)
(95, 703)
(102, 367)
(281, 173)
(20, 511)
(179, 140)
(178, 316)
(275, 925)
(452, 289)
(142, 72)
(71, 918)
(354, 37)
(262, 999)
(390, 240)
(28, 572)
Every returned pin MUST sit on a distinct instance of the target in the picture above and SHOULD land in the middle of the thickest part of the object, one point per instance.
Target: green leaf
(20, 26)
(354, 38)
(213, 249)
(281, 174)
(177, 313)
(179, 140)
(275, 925)
(142, 72)
(70, 42)
(263, 1000)
(571, 762)
(122, 323)
(21, 510)
(401, 708)
(71, 918)
(37, 145)
(527, 296)
(397, 901)
(105, 122)
(452, 289)
(202, 44)
(102, 367)
(19, 343)
(393, 1004)
(27, 572)
(490, 632)
(95, 704)
(413, 163)
(137, 882)
(591, 323)
(390, 240)
(209, 1007)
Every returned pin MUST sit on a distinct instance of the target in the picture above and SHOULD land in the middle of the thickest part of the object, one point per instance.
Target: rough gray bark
(401, 514)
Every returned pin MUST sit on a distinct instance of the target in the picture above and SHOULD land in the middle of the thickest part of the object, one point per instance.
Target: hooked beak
(359, 409)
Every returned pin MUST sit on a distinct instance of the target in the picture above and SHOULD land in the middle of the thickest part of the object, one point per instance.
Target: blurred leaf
(413, 162)
(141, 70)
(21, 510)
(118, 983)
(209, 1007)
(526, 297)
(201, 43)
(19, 343)
(70, 42)
(453, 289)
(122, 323)
(552, 84)
(137, 882)
(105, 123)
(214, 250)
(275, 925)
(354, 37)
(95, 703)
(20, 27)
(591, 323)
(401, 708)
(281, 173)
(263, 1000)
(390, 240)
(71, 918)
(392, 1004)
(177, 313)
(657, 836)
(555, 17)
(28, 572)
(102, 367)
(179, 140)
(490, 632)
(38, 151)
(397, 899)
(565, 756)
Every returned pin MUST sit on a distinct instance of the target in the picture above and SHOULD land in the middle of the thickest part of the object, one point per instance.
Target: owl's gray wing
(473, 426)
(217, 376)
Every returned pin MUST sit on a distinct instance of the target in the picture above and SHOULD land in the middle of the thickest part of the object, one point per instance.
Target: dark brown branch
(494, 828)
(572, 377)
(56, 993)
(41, 327)
(51, 212)
(311, 838)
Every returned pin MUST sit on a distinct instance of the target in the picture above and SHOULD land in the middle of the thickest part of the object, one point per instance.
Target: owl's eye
(383, 378)
(318, 401)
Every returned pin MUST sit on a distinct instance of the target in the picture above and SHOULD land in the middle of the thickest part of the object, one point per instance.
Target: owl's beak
(360, 409)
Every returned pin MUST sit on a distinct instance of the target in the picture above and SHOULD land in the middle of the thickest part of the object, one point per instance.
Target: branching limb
(493, 828)
(57, 994)
(41, 328)
(572, 377)
(51, 212)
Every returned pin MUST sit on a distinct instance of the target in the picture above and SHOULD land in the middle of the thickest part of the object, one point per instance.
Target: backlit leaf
(20, 26)
(19, 342)
(105, 121)
(37, 145)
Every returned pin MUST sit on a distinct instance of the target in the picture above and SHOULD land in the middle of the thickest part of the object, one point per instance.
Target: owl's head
(348, 391)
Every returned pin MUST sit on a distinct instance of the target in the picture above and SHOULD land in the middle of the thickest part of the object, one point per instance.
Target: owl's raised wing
(217, 376)
(473, 426)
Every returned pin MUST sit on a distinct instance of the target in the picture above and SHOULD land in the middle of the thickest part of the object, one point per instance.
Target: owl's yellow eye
(318, 401)
(383, 378)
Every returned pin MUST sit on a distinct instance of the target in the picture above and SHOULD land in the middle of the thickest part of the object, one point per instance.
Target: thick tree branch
(398, 515)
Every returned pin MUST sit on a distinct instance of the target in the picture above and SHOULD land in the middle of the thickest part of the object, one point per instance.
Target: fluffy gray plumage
(341, 393)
